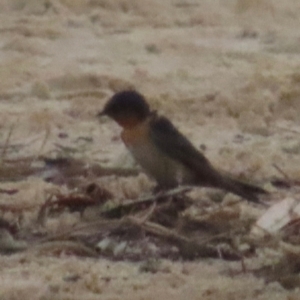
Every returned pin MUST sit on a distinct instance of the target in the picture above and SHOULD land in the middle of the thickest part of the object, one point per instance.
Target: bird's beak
(101, 114)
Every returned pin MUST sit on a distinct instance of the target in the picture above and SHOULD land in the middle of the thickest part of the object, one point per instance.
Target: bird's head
(127, 108)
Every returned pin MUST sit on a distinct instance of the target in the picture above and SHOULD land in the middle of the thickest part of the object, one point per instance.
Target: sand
(225, 72)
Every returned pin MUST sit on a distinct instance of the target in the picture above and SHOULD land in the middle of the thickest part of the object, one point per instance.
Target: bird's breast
(135, 135)
(165, 170)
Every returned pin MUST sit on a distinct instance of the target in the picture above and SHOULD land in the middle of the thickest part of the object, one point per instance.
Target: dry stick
(12, 172)
(158, 229)
(103, 223)
(186, 245)
(5, 146)
(281, 172)
(148, 214)
(44, 141)
(243, 265)
(108, 224)
(129, 205)
(41, 218)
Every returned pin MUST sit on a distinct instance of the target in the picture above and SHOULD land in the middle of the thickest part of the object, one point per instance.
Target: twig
(6, 143)
(125, 208)
(281, 172)
(188, 247)
(148, 214)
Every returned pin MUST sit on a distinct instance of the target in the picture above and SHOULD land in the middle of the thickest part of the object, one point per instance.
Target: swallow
(164, 153)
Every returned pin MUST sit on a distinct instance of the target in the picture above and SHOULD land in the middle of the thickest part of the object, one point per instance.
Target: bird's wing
(170, 141)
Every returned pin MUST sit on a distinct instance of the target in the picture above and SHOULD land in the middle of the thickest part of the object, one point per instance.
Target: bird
(164, 153)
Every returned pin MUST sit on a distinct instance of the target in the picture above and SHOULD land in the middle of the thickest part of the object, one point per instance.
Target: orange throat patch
(135, 134)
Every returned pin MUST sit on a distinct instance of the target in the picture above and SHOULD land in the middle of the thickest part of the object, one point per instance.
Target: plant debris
(173, 224)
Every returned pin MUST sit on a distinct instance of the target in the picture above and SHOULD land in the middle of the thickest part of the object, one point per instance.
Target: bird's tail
(242, 189)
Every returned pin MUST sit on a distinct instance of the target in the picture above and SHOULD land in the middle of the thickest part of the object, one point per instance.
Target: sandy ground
(225, 72)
